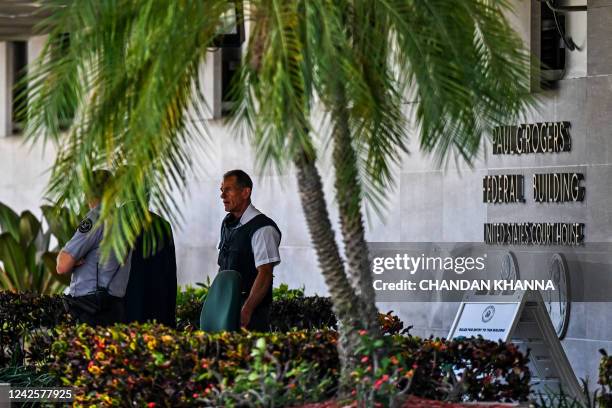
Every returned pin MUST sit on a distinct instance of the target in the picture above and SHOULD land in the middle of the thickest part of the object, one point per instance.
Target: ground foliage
(154, 363)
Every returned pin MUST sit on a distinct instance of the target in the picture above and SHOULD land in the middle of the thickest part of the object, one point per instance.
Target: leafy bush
(269, 382)
(302, 313)
(282, 292)
(129, 360)
(391, 324)
(21, 316)
(189, 301)
(459, 370)
(290, 310)
(28, 261)
(152, 363)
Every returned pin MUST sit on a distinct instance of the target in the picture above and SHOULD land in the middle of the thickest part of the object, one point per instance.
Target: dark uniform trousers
(91, 310)
(260, 319)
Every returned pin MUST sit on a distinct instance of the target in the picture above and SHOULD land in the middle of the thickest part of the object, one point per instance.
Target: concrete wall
(428, 204)
(446, 205)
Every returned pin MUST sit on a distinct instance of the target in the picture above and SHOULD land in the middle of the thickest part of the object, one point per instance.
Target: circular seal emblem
(509, 268)
(557, 301)
(488, 313)
(85, 226)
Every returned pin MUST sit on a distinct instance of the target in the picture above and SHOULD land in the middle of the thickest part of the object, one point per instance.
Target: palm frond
(137, 103)
(273, 89)
(468, 66)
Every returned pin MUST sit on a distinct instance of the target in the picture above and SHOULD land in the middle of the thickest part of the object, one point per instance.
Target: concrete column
(6, 94)
(210, 83)
(35, 47)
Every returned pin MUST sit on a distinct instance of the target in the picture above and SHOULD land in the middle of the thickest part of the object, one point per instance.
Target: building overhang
(20, 19)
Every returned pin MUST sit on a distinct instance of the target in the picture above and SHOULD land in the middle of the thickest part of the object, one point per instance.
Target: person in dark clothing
(249, 244)
(151, 289)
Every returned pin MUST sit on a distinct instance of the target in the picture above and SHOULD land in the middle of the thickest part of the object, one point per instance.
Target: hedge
(24, 313)
(157, 364)
(153, 363)
(20, 315)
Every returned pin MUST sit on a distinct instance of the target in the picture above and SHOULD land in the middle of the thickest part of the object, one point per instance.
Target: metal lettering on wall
(558, 187)
(534, 233)
(503, 188)
(547, 137)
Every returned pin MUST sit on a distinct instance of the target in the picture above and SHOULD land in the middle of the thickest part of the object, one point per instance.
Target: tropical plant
(282, 292)
(28, 262)
(268, 382)
(23, 315)
(150, 362)
(460, 62)
(131, 69)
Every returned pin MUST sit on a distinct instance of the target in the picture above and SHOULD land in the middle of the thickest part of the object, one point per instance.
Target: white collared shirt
(265, 241)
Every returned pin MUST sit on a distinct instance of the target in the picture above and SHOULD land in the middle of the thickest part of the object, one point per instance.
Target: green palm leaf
(133, 107)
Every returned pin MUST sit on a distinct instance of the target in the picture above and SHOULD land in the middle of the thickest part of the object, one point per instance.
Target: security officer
(249, 244)
(96, 288)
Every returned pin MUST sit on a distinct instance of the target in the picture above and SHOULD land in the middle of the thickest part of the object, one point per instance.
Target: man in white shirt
(249, 244)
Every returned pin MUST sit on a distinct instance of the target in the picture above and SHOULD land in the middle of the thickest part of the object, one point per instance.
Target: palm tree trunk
(349, 195)
(344, 300)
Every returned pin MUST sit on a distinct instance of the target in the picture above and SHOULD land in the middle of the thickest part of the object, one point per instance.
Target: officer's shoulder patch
(85, 226)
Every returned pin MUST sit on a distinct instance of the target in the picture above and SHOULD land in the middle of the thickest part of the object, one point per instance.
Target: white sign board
(522, 318)
(492, 321)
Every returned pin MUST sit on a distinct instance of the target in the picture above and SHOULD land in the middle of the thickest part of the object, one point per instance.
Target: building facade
(429, 204)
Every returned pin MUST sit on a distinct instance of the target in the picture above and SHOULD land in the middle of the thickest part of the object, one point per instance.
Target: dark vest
(236, 252)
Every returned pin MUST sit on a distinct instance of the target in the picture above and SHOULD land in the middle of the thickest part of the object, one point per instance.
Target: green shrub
(282, 292)
(290, 310)
(189, 301)
(152, 363)
(302, 313)
(28, 261)
(458, 370)
(269, 382)
(21, 316)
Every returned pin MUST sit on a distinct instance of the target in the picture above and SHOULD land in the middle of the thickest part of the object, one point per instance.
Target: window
(230, 64)
(19, 60)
